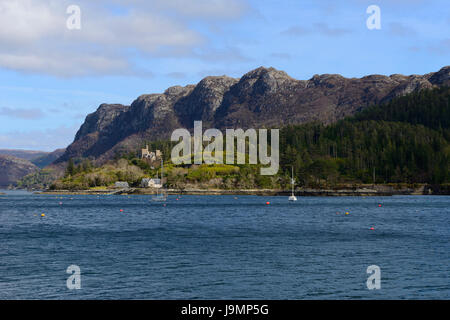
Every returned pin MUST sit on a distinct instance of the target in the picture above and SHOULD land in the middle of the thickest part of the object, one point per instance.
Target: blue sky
(52, 77)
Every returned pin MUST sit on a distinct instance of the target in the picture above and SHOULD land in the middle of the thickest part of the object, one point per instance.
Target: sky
(52, 75)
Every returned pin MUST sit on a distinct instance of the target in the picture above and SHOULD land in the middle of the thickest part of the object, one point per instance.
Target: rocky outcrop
(440, 78)
(13, 169)
(264, 97)
(203, 101)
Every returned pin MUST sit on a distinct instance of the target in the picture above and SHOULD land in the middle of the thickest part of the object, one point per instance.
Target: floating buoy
(347, 213)
(372, 228)
(42, 215)
(267, 202)
(60, 203)
(121, 210)
(379, 205)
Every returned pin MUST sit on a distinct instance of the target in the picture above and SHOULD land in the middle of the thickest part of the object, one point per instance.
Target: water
(219, 247)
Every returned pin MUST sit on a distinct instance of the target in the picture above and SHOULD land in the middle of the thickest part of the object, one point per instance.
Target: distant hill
(264, 97)
(23, 154)
(12, 169)
(39, 158)
(48, 158)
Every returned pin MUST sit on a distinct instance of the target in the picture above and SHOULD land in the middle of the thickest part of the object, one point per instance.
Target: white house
(151, 183)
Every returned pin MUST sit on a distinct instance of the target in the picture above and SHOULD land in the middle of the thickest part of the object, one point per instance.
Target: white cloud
(25, 21)
(34, 37)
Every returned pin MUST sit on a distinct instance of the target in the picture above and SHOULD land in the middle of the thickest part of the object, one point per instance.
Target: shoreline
(364, 191)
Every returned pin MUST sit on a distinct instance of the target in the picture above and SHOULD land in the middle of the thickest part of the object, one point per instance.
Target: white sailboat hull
(159, 198)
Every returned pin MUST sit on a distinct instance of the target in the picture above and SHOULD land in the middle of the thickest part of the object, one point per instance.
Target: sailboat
(292, 197)
(161, 194)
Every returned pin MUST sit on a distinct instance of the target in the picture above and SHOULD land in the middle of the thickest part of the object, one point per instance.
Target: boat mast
(162, 167)
(292, 179)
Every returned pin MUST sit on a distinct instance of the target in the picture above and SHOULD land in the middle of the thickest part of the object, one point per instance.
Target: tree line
(404, 140)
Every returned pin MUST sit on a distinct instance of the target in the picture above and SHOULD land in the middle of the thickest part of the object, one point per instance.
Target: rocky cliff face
(13, 169)
(264, 97)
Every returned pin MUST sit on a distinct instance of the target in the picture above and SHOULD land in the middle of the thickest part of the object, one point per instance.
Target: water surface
(224, 247)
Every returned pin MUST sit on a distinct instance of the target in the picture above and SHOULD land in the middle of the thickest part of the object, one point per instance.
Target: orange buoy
(372, 228)
(267, 202)
(121, 210)
(379, 205)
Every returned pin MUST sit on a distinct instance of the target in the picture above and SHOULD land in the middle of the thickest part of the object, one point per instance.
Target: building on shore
(150, 155)
(151, 183)
(121, 184)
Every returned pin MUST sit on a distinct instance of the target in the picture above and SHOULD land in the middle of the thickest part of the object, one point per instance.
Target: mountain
(404, 141)
(46, 159)
(23, 154)
(264, 97)
(13, 169)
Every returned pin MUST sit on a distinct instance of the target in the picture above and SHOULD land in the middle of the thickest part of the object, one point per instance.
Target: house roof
(155, 180)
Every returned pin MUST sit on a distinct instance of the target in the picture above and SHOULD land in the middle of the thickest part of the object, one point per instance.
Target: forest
(405, 140)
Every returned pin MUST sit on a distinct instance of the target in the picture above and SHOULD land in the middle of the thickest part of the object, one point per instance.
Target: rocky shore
(366, 190)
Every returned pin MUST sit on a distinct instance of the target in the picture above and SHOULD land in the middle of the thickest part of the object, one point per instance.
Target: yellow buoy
(42, 215)
(347, 213)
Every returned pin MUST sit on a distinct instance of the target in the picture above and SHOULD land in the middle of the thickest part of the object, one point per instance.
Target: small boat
(161, 195)
(292, 197)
